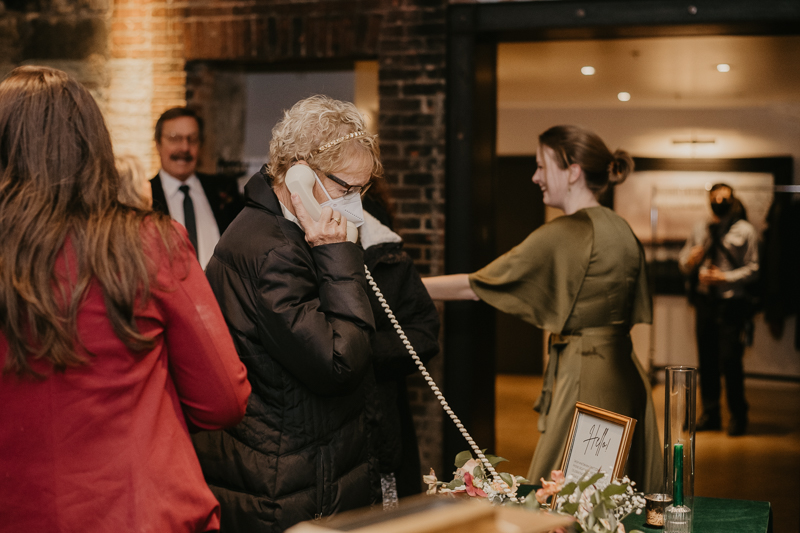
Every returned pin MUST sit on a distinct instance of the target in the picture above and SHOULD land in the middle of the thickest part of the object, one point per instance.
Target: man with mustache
(204, 204)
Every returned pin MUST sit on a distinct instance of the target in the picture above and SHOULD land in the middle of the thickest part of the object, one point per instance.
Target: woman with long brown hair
(112, 345)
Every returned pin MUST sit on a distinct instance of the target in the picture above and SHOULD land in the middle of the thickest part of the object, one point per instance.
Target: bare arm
(452, 287)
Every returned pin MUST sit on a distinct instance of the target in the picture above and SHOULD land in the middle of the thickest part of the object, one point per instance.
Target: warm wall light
(587, 71)
(694, 140)
(724, 67)
(624, 97)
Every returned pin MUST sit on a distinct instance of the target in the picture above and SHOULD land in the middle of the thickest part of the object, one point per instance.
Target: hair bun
(620, 167)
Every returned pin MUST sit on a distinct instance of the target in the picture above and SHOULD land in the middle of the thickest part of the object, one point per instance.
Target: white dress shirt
(207, 229)
(741, 241)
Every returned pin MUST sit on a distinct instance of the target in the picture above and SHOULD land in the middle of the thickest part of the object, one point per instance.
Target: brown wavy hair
(58, 184)
(575, 145)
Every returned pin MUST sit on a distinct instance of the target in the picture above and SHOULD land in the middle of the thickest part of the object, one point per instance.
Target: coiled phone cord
(439, 396)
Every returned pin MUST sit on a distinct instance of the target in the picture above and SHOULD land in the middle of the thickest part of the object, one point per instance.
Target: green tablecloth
(717, 515)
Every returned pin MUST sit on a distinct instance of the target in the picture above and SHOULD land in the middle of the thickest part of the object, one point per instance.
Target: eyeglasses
(350, 189)
(175, 139)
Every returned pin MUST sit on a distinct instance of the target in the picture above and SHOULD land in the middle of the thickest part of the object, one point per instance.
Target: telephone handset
(300, 180)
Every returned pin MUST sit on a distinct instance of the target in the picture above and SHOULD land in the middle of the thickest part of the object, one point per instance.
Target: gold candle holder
(655, 504)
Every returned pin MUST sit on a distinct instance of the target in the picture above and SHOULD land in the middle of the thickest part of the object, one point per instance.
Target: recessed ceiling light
(624, 97)
(587, 71)
(724, 67)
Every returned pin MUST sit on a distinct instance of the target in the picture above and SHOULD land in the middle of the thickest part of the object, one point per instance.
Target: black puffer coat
(301, 321)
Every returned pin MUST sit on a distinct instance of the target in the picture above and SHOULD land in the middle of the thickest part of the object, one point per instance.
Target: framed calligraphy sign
(599, 440)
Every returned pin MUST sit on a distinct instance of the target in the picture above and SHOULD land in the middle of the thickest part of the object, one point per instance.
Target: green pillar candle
(677, 491)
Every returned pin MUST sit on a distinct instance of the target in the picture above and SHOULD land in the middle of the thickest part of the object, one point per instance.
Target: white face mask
(348, 205)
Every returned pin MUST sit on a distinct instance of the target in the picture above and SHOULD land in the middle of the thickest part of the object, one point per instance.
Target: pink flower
(469, 466)
(472, 490)
(550, 488)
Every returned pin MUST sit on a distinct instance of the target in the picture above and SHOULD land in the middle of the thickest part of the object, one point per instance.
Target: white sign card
(594, 447)
(599, 441)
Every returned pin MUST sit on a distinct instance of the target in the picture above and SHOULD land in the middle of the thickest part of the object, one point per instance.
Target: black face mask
(723, 208)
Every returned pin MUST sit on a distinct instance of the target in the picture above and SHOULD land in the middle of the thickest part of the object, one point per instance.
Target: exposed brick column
(412, 110)
(146, 72)
(411, 128)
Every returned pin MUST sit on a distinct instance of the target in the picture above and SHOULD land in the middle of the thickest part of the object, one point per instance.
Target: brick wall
(407, 38)
(71, 36)
(146, 69)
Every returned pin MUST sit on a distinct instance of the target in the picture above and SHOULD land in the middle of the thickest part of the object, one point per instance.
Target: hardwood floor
(762, 465)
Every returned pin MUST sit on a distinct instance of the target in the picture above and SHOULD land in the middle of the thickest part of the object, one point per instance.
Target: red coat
(106, 447)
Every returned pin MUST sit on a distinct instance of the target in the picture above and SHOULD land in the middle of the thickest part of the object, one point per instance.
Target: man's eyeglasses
(175, 139)
(350, 189)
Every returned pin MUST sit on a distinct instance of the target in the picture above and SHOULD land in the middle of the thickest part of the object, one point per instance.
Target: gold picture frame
(598, 440)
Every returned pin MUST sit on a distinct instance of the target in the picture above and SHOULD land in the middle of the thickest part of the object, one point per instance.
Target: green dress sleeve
(642, 312)
(539, 279)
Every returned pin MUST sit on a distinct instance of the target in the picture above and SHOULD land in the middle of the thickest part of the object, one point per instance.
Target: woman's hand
(329, 229)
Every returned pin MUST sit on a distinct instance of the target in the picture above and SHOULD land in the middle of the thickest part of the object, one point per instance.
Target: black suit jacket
(222, 194)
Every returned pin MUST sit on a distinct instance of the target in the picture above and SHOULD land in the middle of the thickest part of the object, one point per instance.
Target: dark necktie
(188, 216)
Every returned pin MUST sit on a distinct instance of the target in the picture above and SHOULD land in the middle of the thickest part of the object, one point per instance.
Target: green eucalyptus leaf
(568, 489)
(462, 458)
(591, 481)
(477, 472)
(494, 460)
(613, 490)
(453, 485)
(570, 508)
(508, 478)
(599, 511)
(531, 503)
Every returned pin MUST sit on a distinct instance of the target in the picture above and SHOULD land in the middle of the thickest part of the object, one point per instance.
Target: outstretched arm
(452, 287)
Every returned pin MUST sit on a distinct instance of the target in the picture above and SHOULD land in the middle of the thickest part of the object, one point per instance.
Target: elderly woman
(294, 294)
(112, 346)
(582, 277)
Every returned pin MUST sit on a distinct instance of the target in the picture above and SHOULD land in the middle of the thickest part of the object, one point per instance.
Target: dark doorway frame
(474, 31)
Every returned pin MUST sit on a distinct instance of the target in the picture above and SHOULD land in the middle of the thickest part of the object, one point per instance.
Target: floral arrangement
(596, 508)
(472, 479)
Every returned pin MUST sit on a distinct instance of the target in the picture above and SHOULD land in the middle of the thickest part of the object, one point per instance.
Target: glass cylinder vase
(680, 395)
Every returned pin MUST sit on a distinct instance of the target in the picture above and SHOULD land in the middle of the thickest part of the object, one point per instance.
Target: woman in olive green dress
(582, 277)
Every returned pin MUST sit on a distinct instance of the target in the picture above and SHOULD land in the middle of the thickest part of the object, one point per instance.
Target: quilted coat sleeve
(315, 319)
